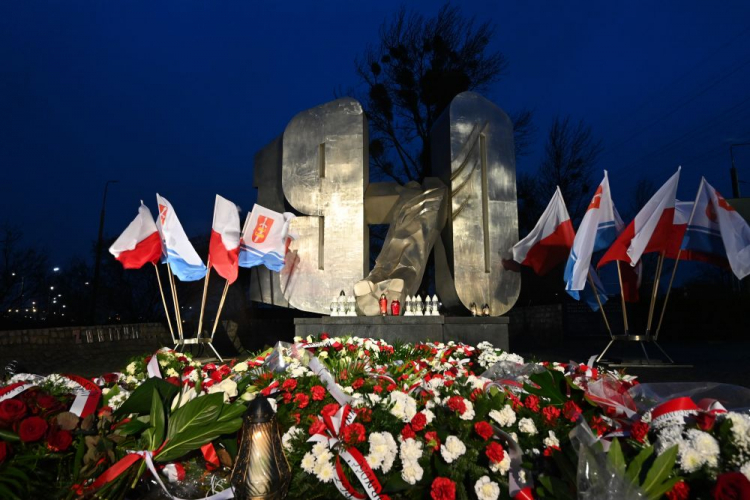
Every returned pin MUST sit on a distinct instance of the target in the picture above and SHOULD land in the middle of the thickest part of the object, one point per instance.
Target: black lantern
(261, 471)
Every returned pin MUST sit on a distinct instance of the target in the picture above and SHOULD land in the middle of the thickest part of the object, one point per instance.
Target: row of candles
(414, 306)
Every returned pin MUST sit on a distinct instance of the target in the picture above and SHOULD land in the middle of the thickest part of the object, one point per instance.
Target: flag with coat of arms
(265, 238)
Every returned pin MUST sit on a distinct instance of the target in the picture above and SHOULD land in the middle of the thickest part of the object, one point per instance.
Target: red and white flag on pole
(735, 232)
(140, 243)
(650, 231)
(549, 243)
(224, 248)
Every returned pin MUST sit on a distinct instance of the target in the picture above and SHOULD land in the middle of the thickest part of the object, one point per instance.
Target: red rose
(330, 409)
(354, 433)
(495, 452)
(46, 401)
(289, 384)
(484, 430)
(551, 414)
(443, 489)
(302, 400)
(731, 486)
(11, 410)
(418, 421)
(324, 336)
(318, 392)
(571, 411)
(407, 432)
(456, 403)
(705, 420)
(4, 451)
(32, 429)
(432, 440)
(110, 378)
(639, 431)
(317, 427)
(216, 376)
(532, 403)
(358, 383)
(679, 491)
(58, 440)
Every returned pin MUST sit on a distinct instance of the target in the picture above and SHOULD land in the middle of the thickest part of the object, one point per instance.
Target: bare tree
(22, 274)
(412, 75)
(642, 192)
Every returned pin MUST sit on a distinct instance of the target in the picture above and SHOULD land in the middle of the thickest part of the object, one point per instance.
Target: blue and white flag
(265, 238)
(180, 254)
(598, 230)
(587, 294)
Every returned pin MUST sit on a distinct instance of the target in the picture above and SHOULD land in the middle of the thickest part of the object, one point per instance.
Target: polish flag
(549, 243)
(651, 229)
(140, 243)
(224, 248)
(735, 232)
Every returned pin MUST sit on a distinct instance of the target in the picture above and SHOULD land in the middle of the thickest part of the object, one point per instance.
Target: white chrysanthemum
(705, 444)
(324, 471)
(319, 448)
(452, 449)
(745, 469)
(469, 413)
(527, 426)
(286, 439)
(690, 459)
(308, 463)
(163, 362)
(486, 489)
(551, 441)
(503, 466)
(667, 437)
(412, 472)
(504, 417)
(172, 373)
(740, 429)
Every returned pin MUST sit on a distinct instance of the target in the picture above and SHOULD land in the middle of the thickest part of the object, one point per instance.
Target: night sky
(177, 97)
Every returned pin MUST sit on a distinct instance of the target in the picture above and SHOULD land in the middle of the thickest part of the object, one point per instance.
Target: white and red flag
(651, 229)
(549, 243)
(224, 248)
(140, 243)
(265, 238)
(735, 232)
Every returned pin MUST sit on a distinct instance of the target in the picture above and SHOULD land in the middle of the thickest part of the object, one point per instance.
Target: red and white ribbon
(351, 456)
(520, 486)
(13, 390)
(87, 396)
(673, 411)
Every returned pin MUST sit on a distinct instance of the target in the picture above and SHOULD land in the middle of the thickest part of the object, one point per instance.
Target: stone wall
(80, 349)
(533, 324)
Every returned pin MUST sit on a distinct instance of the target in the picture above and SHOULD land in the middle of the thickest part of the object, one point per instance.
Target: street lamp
(99, 242)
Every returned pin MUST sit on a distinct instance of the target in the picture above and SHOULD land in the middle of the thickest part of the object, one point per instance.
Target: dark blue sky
(178, 96)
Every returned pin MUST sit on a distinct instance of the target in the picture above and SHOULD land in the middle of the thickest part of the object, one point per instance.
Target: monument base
(469, 330)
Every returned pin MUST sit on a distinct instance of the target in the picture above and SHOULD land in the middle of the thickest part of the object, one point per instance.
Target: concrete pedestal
(469, 330)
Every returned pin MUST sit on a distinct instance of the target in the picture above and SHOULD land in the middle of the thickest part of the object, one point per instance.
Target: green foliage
(140, 400)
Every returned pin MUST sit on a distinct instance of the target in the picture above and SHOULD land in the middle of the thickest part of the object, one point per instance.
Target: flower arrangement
(362, 417)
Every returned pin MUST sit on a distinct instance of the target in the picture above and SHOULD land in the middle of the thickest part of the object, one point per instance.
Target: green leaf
(550, 384)
(9, 436)
(663, 488)
(615, 457)
(139, 401)
(132, 428)
(157, 421)
(6, 493)
(230, 412)
(659, 471)
(200, 412)
(557, 488)
(634, 469)
(194, 437)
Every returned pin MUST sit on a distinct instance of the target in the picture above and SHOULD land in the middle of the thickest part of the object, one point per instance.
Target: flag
(587, 294)
(597, 231)
(548, 244)
(181, 256)
(650, 230)
(140, 243)
(265, 238)
(224, 248)
(734, 230)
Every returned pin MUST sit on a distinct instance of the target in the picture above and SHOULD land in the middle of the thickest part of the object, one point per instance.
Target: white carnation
(745, 469)
(469, 413)
(412, 472)
(486, 489)
(504, 417)
(286, 439)
(411, 450)
(551, 441)
(503, 466)
(527, 426)
(452, 449)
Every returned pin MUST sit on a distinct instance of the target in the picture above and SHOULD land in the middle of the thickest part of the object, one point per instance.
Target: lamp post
(733, 170)
(99, 243)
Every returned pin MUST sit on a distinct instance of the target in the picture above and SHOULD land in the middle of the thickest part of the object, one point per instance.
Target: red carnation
(391, 387)
(324, 336)
(58, 440)
(32, 429)
(302, 400)
(705, 420)
(289, 384)
(297, 418)
(680, 491)
(731, 486)
(173, 380)
(4, 451)
(495, 452)
(407, 432)
(377, 389)
(11, 410)
(532, 403)
(484, 430)
(287, 396)
(551, 414)
(216, 376)
(318, 392)
(456, 403)
(358, 383)
(432, 440)
(317, 427)
(571, 411)
(330, 409)
(354, 433)
(639, 431)
(443, 489)
(418, 421)
(364, 414)
(598, 425)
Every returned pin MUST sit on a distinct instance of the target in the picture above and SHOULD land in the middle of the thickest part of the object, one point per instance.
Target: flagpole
(622, 296)
(203, 302)
(221, 306)
(659, 265)
(666, 299)
(164, 302)
(177, 314)
(598, 301)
